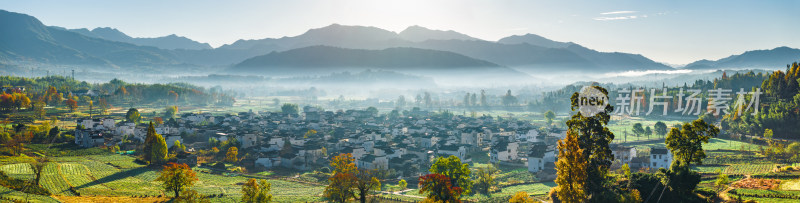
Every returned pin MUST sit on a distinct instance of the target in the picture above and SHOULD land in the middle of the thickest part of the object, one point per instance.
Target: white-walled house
(660, 158)
(539, 155)
(623, 153)
(247, 140)
(453, 150)
(504, 151)
(373, 162)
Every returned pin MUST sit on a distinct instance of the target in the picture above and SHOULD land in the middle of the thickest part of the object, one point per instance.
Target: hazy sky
(675, 32)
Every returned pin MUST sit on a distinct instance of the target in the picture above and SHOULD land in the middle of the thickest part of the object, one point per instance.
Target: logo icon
(591, 101)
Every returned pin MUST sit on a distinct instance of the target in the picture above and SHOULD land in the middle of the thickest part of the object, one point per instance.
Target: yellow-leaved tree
(571, 169)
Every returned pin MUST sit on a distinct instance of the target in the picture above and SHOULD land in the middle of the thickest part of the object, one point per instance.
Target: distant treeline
(58, 90)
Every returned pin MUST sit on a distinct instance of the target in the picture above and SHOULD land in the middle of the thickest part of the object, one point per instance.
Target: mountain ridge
(775, 59)
(169, 42)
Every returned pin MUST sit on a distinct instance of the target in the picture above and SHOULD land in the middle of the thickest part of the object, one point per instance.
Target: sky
(674, 32)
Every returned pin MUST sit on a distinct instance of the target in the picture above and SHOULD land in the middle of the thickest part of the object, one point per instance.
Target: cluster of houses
(405, 144)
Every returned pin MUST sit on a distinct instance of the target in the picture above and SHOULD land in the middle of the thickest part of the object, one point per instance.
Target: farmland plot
(18, 171)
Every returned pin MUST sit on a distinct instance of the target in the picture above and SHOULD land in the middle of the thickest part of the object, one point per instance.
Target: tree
(133, 115)
(593, 138)
(158, 155)
(648, 132)
(403, 184)
(103, 105)
(521, 197)
(343, 163)
(91, 105)
(256, 191)
(483, 99)
(679, 178)
(768, 133)
(72, 104)
(549, 115)
(38, 109)
(342, 181)
(571, 170)
(722, 181)
(153, 144)
(231, 155)
(466, 100)
(158, 121)
(638, 130)
(310, 132)
(401, 102)
(428, 99)
(456, 172)
(288, 108)
(626, 170)
(660, 128)
(372, 111)
(687, 143)
(439, 188)
(170, 112)
(177, 178)
(484, 179)
(509, 99)
(364, 182)
(38, 166)
(178, 146)
(287, 148)
(339, 187)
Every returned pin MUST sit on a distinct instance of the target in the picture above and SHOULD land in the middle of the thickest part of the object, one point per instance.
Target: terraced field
(18, 171)
(119, 176)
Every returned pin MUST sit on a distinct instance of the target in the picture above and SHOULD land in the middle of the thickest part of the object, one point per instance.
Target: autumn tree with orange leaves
(177, 178)
(439, 188)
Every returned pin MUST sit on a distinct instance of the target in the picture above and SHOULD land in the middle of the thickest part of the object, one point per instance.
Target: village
(403, 146)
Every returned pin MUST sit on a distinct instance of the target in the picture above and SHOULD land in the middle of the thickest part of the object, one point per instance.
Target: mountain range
(25, 38)
(757, 59)
(165, 42)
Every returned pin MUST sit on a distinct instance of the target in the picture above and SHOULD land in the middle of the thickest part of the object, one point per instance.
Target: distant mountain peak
(416, 33)
(535, 40)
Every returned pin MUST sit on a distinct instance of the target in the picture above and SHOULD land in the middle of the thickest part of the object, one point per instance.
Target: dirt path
(724, 194)
(401, 193)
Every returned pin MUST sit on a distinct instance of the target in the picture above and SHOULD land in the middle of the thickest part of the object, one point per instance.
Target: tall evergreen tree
(594, 139)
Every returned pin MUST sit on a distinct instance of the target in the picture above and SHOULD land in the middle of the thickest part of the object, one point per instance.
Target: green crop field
(8, 195)
(748, 168)
(531, 189)
(118, 175)
(53, 181)
(766, 195)
(18, 171)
